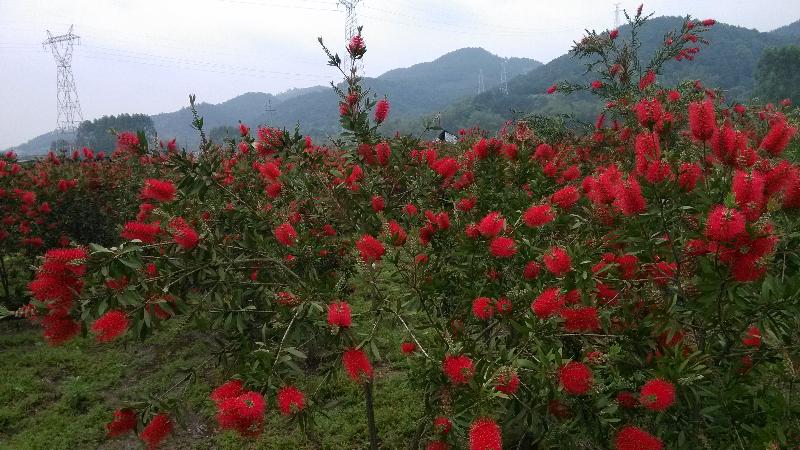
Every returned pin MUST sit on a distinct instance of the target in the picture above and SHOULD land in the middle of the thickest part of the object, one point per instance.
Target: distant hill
(413, 91)
(729, 62)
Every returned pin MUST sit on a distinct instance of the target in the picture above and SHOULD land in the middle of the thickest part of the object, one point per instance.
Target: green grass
(61, 397)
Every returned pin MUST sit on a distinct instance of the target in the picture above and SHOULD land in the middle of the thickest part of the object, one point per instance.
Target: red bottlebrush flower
(538, 215)
(183, 234)
(649, 112)
(243, 130)
(689, 175)
(778, 136)
(531, 270)
(629, 199)
(442, 425)
(748, 190)
(458, 369)
(286, 234)
(544, 152)
(356, 46)
(144, 211)
(410, 210)
(575, 377)
(339, 315)
(673, 96)
(287, 299)
(485, 434)
(503, 247)
(446, 167)
(507, 382)
(381, 110)
(370, 249)
(708, 22)
(127, 140)
(383, 152)
(596, 84)
(491, 225)
(557, 261)
(377, 203)
(231, 389)
(552, 89)
(724, 224)
(290, 400)
(408, 348)
(244, 413)
(566, 197)
(634, 438)
(578, 320)
(483, 308)
(548, 303)
(702, 119)
(397, 234)
(753, 337)
(151, 270)
(613, 34)
(110, 325)
(158, 190)
(357, 365)
(124, 422)
(626, 399)
(145, 232)
(59, 327)
(662, 272)
(466, 204)
(648, 79)
(503, 306)
(156, 431)
(657, 395)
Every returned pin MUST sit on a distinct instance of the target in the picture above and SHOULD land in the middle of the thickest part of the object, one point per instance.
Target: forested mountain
(730, 63)
(448, 84)
(413, 91)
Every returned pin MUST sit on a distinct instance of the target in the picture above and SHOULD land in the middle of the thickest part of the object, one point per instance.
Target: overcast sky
(146, 56)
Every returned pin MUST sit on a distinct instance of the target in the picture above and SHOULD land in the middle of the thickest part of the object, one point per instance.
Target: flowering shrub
(631, 287)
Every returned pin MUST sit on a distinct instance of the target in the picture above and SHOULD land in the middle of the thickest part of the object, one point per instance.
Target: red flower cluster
(124, 422)
(145, 232)
(110, 325)
(507, 382)
(286, 234)
(339, 315)
(381, 110)
(357, 365)
(657, 394)
(485, 434)
(156, 431)
(239, 410)
(183, 234)
(557, 261)
(158, 190)
(370, 249)
(290, 400)
(458, 369)
(575, 377)
(634, 438)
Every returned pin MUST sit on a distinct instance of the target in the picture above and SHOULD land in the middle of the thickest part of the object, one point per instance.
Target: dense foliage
(634, 287)
(778, 74)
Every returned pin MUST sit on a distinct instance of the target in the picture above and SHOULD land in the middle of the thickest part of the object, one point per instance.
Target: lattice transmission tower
(616, 14)
(351, 27)
(481, 84)
(69, 107)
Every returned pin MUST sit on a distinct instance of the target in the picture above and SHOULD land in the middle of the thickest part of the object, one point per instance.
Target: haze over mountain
(448, 85)
(413, 91)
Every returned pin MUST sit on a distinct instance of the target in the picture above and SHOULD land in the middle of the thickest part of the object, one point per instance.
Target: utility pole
(269, 110)
(69, 107)
(351, 27)
(616, 14)
(481, 85)
(504, 78)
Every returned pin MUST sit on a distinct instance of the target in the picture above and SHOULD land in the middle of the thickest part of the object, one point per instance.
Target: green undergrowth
(61, 397)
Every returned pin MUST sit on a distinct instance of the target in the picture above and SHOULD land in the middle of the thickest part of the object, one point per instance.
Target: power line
(68, 104)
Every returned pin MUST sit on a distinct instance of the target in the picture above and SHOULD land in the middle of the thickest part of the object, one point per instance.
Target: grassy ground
(61, 397)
